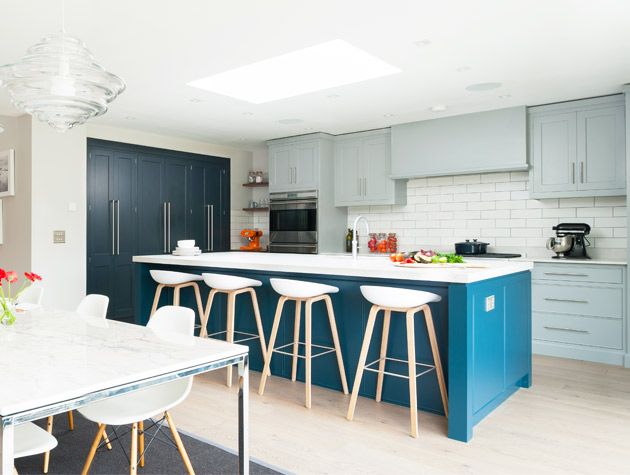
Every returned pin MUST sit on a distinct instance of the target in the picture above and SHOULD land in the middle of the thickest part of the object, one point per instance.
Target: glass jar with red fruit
(381, 246)
(372, 243)
(392, 242)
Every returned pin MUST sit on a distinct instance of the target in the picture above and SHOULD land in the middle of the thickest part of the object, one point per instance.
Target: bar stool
(309, 293)
(390, 299)
(232, 286)
(176, 281)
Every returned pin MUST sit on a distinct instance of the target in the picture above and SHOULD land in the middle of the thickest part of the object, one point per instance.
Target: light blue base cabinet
(579, 312)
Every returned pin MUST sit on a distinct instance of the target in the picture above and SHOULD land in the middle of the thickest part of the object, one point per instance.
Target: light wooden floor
(574, 419)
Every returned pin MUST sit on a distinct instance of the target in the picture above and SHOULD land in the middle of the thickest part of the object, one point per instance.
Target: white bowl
(186, 243)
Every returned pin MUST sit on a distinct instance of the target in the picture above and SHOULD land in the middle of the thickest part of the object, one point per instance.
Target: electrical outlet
(489, 303)
(59, 237)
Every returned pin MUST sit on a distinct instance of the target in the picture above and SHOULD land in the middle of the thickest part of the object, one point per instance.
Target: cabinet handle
(207, 208)
(212, 227)
(567, 274)
(294, 175)
(364, 186)
(573, 173)
(581, 172)
(118, 227)
(359, 186)
(169, 227)
(551, 299)
(113, 228)
(565, 329)
(164, 220)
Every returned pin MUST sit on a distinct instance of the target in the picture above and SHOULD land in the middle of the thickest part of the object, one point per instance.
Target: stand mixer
(570, 241)
(253, 235)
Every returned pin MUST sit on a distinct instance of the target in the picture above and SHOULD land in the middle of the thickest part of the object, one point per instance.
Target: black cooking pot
(471, 247)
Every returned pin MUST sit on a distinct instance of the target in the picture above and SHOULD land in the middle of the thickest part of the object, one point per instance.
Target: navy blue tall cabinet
(143, 200)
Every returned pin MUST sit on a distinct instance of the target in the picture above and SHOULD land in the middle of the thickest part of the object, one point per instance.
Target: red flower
(32, 276)
(11, 276)
(3, 274)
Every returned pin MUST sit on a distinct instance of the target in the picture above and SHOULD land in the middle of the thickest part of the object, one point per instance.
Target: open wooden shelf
(256, 209)
(252, 185)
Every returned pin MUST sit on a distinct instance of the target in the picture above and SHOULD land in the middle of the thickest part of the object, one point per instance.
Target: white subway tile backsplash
(496, 208)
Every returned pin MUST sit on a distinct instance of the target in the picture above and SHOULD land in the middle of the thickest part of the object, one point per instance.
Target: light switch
(72, 207)
(489, 303)
(59, 237)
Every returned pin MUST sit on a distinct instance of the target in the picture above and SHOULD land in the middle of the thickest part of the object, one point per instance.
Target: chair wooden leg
(106, 440)
(362, 357)
(206, 314)
(156, 299)
(272, 342)
(141, 442)
(261, 331)
(195, 287)
(178, 442)
(335, 336)
(307, 354)
(428, 317)
(49, 429)
(176, 292)
(133, 455)
(70, 420)
(296, 339)
(381, 364)
(92, 452)
(229, 336)
(411, 355)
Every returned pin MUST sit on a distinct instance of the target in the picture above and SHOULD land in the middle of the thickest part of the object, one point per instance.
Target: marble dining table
(52, 362)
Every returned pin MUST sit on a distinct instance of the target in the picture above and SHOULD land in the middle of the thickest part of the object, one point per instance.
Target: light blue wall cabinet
(577, 148)
(294, 163)
(362, 168)
(579, 311)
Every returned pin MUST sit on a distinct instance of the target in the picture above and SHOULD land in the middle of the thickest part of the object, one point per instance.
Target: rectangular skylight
(331, 64)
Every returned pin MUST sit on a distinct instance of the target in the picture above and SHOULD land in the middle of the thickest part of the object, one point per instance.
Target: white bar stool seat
(30, 439)
(233, 286)
(176, 281)
(309, 293)
(410, 302)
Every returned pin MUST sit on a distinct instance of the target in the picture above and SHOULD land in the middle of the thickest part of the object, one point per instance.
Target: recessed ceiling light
(247, 114)
(331, 64)
(422, 43)
(463, 69)
(388, 115)
(130, 117)
(505, 96)
(483, 86)
(333, 96)
(438, 108)
(195, 100)
(290, 121)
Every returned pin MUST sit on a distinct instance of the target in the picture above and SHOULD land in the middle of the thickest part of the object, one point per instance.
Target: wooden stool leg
(49, 429)
(362, 357)
(411, 355)
(179, 443)
(141, 441)
(92, 452)
(272, 342)
(195, 287)
(261, 331)
(307, 354)
(229, 336)
(381, 364)
(296, 338)
(70, 420)
(133, 455)
(206, 314)
(176, 291)
(335, 336)
(156, 299)
(428, 317)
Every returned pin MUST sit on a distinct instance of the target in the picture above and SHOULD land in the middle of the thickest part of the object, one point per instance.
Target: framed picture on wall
(7, 173)
(1, 225)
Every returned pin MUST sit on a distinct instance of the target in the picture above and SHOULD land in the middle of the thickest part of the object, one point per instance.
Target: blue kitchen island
(483, 323)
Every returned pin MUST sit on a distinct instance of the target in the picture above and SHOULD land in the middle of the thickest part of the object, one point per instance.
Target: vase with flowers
(8, 298)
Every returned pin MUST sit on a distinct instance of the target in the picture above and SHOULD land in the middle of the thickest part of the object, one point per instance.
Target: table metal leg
(6, 449)
(243, 416)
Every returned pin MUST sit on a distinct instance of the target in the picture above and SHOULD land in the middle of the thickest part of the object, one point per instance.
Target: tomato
(409, 260)
(392, 257)
(400, 257)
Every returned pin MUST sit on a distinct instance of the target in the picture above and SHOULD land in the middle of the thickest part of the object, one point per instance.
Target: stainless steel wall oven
(293, 222)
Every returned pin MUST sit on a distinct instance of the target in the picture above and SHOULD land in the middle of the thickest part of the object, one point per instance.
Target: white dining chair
(31, 295)
(136, 407)
(30, 439)
(92, 305)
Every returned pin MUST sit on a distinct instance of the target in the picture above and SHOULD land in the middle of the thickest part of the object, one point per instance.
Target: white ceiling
(540, 50)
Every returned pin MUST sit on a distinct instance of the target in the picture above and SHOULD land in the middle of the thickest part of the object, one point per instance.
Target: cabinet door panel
(197, 206)
(376, 168)
(214, 222)
(306, 166)
(150, 206)
(280, 168)
(554, 152)
(175, 195)
(348, 177)
(601, 149)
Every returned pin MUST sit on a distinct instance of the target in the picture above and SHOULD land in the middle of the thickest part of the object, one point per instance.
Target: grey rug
(160, 457)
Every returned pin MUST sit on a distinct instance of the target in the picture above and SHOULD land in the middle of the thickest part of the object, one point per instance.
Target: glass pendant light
(59, 82)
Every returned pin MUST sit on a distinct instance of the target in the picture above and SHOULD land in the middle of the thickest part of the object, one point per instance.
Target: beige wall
(15, 250)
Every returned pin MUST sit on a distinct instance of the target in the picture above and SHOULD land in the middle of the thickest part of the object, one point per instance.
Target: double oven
(293, 222)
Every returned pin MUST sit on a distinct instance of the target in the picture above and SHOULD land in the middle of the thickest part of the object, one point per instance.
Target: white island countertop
(343, 265)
